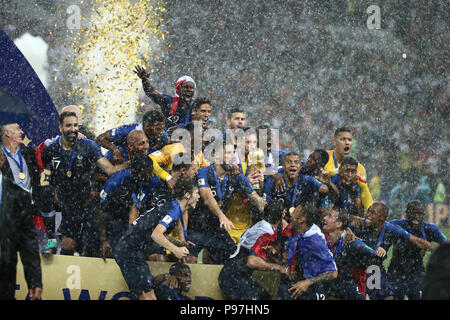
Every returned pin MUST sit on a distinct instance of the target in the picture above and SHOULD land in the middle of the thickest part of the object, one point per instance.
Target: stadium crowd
(301, 206)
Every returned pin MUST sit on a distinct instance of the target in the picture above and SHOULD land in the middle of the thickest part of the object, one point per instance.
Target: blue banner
(19, 79)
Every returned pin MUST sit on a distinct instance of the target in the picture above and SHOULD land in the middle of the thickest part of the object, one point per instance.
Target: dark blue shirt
(407, 258)
(159, 195)
(81, 160)
(120, 192)
(123, 149)
(348, 256)
(119, 136)
(301, 192)
(181, 116)
(163, 292)
(138, 233)
(389, 235)
(344, 200)
(201, 218)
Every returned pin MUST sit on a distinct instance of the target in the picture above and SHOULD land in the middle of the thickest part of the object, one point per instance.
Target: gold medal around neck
(291, 209)
(22, 176)
(69, 174)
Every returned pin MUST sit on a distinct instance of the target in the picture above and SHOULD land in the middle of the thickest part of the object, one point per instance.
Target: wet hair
(311, 213)
(384, 208)
(66, 114)
(437, 275)
(415, 205)
(273, 211)
(349, 161)
(182, 186)
(200, 101)
(343, 216)
(177, 267)
(140, 163)
(324, 156)
(289, 154)
(234, 110)
(342, 129)
(152, 116)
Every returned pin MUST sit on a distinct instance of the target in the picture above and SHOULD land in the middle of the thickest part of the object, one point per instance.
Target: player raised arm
(109, 168)
(147, 86)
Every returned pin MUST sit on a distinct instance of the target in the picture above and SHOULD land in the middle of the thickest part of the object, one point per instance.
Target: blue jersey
(301, 192)
(159, 195)
(123, 149)
(344, 200)
(309, 253)
(69, 170)
(119, 136)
(138, 233)
(163, 292)
(348, 256)
(201, 218)
(389, 235)
(120, 192)
(407, 258)
(182, 114)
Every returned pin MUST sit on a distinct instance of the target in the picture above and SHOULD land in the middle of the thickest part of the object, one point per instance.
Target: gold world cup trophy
(256, 163)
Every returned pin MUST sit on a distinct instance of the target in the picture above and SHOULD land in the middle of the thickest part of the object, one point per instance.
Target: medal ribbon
(291, 200)
(20, 163)
(72, 156)
(220, 187)
(337, 247)
(380, 238)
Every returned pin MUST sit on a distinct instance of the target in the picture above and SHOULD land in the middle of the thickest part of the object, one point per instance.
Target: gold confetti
(120, 35)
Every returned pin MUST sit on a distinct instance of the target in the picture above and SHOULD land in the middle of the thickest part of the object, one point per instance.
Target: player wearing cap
(177, 109)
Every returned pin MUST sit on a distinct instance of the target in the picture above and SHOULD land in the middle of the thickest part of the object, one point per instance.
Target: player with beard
(380, 235)
(68, 164)
(179, 279)
(130, 252)
(239, 210)
(153, 125)
(208, 225)
(406, 269)
(342, 142)
(123, 191)
(299, 188)
(235, 121)
(176, 109)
